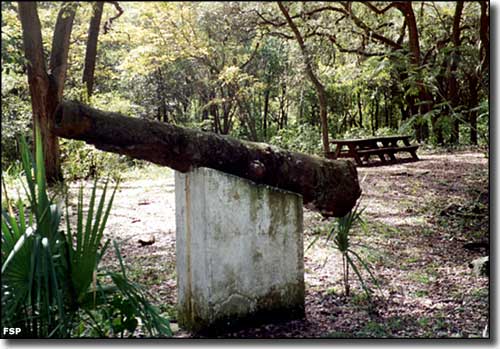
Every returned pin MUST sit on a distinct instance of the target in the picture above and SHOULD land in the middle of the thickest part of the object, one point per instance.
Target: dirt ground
(418, 215)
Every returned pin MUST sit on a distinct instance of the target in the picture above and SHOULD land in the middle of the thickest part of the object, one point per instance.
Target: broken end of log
(336, 195)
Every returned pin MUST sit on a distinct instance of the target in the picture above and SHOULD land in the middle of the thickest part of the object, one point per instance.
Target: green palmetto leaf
(9, 236)
(22, 218)
(69, 233)
(79, 224)
(120, 259)
(108, 210)
(40, 171)
(53, 276)
(367, 268)
(358, 274)
(90, 216)
(15, 250)
(102, 251)
(28, 166)
(312, 243)
(30, 269)
(86, 254)
(154, 323)
(15, 247)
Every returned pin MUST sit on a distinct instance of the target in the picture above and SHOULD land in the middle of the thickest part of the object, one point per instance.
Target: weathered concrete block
(239, 252)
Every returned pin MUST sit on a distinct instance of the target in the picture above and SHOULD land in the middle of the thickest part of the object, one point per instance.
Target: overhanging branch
(107, 25)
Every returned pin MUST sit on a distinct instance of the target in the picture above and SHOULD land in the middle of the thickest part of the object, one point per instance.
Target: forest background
(295, 75)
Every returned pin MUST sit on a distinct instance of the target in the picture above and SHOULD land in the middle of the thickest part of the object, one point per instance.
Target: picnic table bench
(365, 147)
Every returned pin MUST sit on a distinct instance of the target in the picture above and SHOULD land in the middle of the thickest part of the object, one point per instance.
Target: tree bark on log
(328, 186)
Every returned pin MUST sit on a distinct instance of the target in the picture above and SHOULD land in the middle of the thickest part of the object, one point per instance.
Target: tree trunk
(360, 110)
(484, 35)
(46, 90)
(301, 106)
(472, 105)
(425, 98)
(58, 64)
(246, 118)
(266, 111)
(474, 84)
(407, 10)
(282, 107)
(386, 109)
(214, 112)
(91, 51)
(329, 186)
(453, 88)
(320, 89)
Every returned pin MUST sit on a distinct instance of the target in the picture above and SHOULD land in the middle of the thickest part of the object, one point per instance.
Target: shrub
(357, 132)
(82, 161)
(301, 138)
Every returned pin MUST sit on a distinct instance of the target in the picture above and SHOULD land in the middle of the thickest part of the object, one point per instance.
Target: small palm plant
(32, 294)
(50, 277)
(340, 235)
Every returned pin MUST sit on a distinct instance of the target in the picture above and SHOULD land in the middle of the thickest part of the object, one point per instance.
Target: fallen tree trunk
(329, 186)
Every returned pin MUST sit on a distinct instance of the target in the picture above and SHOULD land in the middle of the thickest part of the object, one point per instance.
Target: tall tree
(92, 40)
(318, 86)
(46, 86)
(425, 100)
(91, 51)
(453, 87)
(479, 76)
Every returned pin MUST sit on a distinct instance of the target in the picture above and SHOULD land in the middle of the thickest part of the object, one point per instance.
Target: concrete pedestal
(239, 252)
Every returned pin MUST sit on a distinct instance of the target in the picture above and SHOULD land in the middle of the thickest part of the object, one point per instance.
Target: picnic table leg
(337, 152)
(391, 154)
(382, 158)
(353, 153)
(413, 153)
(380, 155)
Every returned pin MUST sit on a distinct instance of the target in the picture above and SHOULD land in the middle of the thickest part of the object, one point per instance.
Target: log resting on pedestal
(328, 186)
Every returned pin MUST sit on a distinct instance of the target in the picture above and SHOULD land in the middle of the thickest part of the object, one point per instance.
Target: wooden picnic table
(380, 146)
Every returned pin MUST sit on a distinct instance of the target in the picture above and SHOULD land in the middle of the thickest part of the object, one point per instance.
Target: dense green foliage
(235, 68)
(52, 286)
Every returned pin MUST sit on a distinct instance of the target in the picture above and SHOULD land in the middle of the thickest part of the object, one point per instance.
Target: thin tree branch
(369, 31)
(376, 10)
(281, 35)
(303, 15)
(360, 50)
(251, 56)
(107, 25)
(402, 34)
